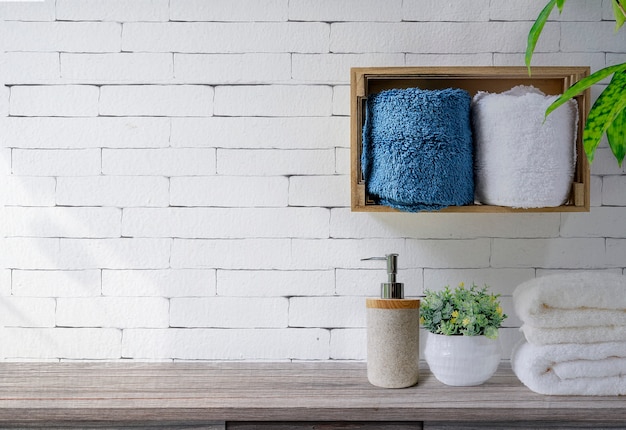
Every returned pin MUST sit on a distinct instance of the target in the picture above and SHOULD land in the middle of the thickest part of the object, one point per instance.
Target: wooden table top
(188, 392)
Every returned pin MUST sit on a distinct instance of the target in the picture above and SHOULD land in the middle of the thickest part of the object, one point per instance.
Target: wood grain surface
(185, 393)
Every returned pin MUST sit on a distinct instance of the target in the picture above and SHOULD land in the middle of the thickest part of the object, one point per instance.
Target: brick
(53, 162)
(342, 161)
(75, 133)
(613, 190)
(572, 253)
(29, 253)
(607, 10)
(158, 283)
(596, 190)
(267, 283)
(226, 223)
(27, 312)
(268, 162)
(123, 67)
(480, 59)
(607, 223)
(27, 191)
(259, 132)
(60, 36)
(28, 67)
(54, 100)
(341, 100)
(4, 100)
(528, 10)
(229, 191)
(460, 253)
(434, 10)
(335, 68)
(123, 253)
(342, 253)
(438, 37)
(159, 162)
(595, 60)
(273, 100)
(5, 282)
(366, 282)
(443, 226)
(112, 10)
(247, 68)
(591, 37)
(325, 191)
(228, 10)
(28, 11)
(347, 10)
(62, 222)
(118, 191)
(227, 344)
(348, 344)
(224, 37)
(229, 312)
(328, 312)
(62, 343)
(126, 312)
(53, 283)
(156, 100)
(500, 281)
(615, 252)
(5, 165)
(604, 164)
(231, 254)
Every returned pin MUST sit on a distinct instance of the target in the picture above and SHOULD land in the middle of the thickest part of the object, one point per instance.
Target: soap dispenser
(392, 333)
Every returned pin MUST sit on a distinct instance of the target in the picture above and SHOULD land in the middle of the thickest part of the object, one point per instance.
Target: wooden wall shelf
(551, 80)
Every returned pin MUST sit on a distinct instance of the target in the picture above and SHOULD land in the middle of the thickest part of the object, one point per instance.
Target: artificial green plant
(462, 311)
(608, 113)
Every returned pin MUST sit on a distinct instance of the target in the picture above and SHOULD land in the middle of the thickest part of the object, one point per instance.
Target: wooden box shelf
(551, 80)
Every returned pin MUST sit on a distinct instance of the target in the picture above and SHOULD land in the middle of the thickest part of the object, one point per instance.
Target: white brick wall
(175, 174)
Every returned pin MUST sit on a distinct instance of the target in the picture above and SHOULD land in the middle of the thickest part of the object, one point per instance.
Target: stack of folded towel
(574, 326)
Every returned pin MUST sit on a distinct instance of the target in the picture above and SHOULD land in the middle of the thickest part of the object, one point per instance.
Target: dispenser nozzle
(390, 289)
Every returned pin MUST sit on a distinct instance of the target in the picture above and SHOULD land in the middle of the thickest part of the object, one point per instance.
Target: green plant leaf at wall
(602, 115)
(583, 84)
(536, 29)
(619, 12)
(617, 137)
(608, 114)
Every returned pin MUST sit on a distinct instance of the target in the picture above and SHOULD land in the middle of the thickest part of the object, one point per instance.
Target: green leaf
(535, 31)
(604, 111)
(583, 84)
(620, 14)
(617, 136)
(560, 4)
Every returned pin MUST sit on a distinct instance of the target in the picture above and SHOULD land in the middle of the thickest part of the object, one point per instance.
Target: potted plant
(462, 324)
(608, 113)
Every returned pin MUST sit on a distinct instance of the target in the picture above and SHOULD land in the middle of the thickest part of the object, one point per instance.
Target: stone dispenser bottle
(392, 333)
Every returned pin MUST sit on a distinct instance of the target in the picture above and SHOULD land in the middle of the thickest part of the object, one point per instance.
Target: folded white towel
(520, 160)
(572, 369)
(546, 336)
(572, 299)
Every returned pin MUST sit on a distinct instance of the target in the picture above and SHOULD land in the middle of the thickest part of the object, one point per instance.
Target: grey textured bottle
(392, 334)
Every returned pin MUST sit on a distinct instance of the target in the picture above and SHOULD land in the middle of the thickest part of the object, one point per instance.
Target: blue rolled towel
(417, 148)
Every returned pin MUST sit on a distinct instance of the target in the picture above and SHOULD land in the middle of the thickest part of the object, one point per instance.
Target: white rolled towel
(520, 160)
(597, 369)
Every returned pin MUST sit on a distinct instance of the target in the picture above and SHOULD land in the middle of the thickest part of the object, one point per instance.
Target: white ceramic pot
(462, 360)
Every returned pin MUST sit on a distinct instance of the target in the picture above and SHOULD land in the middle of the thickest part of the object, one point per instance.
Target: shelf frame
(551, 80)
